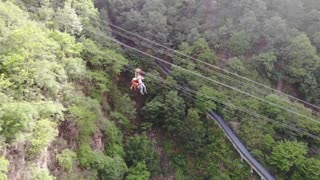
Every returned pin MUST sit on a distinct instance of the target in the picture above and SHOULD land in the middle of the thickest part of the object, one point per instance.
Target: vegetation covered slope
(66, 111)
(54, 74)
(273, 42)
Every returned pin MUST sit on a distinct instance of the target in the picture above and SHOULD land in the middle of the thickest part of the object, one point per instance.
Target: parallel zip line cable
(292, 128)
(216, 67)
(211, 80)
(192, 94)
(241, 83)
(210, 70)
(200, 67)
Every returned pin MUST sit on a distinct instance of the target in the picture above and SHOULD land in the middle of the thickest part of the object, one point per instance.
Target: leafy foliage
(3, 168)
(309, 169)
(41, 173)
(287, 154)
(66, 159)
(301, 57)
(236, 66)
(44, 133)
(139, 171)
(68, 21)
(238, 43)
(138, 149)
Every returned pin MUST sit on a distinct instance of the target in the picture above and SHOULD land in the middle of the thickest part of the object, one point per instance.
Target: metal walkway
(245, 154)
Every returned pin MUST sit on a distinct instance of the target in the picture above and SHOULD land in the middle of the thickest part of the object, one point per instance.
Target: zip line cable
(216, 67)
(193, 97)
(192, 94)
(283, 99)
(204, 77)
(203, 68)
(211, 80)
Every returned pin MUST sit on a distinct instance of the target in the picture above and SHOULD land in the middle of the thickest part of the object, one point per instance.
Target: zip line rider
(137, 82)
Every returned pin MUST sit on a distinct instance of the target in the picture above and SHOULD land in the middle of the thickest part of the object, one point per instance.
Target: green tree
(66, 159)
(193, 131)
(45, 12)
(154, 111)
(89, 18)
(310, 87)
(3, 168)
(124, 105)
(208, 99)
(238, 43)
(287, 155)
(168, 111)
(101, 58)
(123, 109)
(41, 174)
(68, 45)
(249, 22)
(114, 140)
(110, 167)
(199, 49)
(138, 172)
(85, 155)
(301, 58)
(308, 169)
(185, 20)
(139, 149)
(68, 20)
(147, 18)
(75, 68)
(15, 118)
(265, 64)
(44, 133)
(24, 50)
(236, 66)
(277, 33)
(11, 17)
(174, 109)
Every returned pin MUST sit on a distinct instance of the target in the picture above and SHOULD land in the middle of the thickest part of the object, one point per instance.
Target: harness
(134, 84)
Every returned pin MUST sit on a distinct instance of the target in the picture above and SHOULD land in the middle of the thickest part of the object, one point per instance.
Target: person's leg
(141, 88)
(145, 89)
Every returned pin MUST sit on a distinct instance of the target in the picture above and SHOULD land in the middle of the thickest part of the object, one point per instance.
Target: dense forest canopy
(66, 110)
(283, 35)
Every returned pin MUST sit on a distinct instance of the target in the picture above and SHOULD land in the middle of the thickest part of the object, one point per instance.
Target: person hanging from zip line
(142, 86)
(137, 82)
